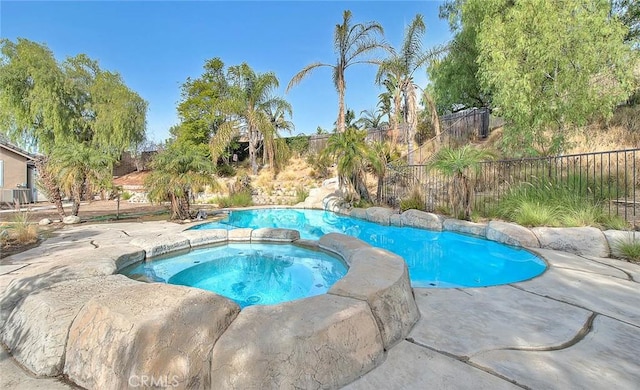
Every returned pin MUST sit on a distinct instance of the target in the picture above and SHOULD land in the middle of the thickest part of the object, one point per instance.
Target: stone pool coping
(54, 317)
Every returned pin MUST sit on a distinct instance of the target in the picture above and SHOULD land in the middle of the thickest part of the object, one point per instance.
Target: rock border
(576, 240)
(325, 341)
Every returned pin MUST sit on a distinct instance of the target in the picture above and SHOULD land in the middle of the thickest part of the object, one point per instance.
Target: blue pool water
(434, 259)
(248, 273)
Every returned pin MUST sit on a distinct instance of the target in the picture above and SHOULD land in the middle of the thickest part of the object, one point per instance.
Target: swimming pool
(434, 259)
(249, 274)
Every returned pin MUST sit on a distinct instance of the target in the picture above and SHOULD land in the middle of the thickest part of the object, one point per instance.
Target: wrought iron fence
(610, 178)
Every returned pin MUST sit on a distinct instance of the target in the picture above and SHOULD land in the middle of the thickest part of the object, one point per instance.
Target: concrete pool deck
(575, 326)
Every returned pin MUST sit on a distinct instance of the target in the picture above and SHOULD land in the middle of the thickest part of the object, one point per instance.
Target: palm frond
(223, 137)
(298, 77)
(412, 43)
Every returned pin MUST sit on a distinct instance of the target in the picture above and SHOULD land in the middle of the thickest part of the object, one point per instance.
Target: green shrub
(299, 144)
(301, 194)
(530, 213)
(629, 247)
(238, 199)
(544, 203)
(22, 230)
(225, 170)
(363, 204)
(320, 163)
(614, 222)
(599, 188)
(413, 201)
(126, 195)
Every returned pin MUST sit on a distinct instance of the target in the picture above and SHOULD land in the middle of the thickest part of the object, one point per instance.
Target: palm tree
(277, 111)
(246, 110)
(350, 151)
(80, 169)
(379, 155)
(350, 43)
(393, 98)
(385, 103)
(178, 172)
(398, 71)
(371, 119)
(456, 163)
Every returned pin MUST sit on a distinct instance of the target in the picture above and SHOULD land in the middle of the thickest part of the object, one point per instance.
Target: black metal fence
(611, 178)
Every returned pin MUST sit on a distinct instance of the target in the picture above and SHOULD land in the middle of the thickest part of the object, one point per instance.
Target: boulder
(36, 331)
(274, 235)
(44, 222)
(511, 234)
(71, 220)
(465, 227)
(421, 219)
(395, 220)
(124, 255)
(160, 245)
(615, 237)
(201, 237)
(335, 204)
(578, 240)
(379, 215)
(341, 244)
(381, 279)
(307, 244)
(243, 234)
(157, 331)
(47, 274)
(320, 342)
(358, 213)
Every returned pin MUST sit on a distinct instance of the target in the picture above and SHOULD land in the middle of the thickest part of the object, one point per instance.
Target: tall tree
(277, 112)
(551, 65)
(198, 109)
(250, 96)
(629, 13)
(74, 104)
(350, 43)
(454, 78)
(400, 68)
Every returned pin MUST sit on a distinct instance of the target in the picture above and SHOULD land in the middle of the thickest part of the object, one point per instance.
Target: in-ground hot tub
(247, 273)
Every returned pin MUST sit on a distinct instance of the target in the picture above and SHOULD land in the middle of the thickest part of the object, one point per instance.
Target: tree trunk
(252, 151)
(397, 102)
(340, 124)
(49, 185)
(410, 108)
(76, 207)
(379, 189)
(435, 119)
(361, 187)
(78, 194)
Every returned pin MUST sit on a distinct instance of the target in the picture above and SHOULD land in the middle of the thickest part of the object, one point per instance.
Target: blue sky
(156, 45)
